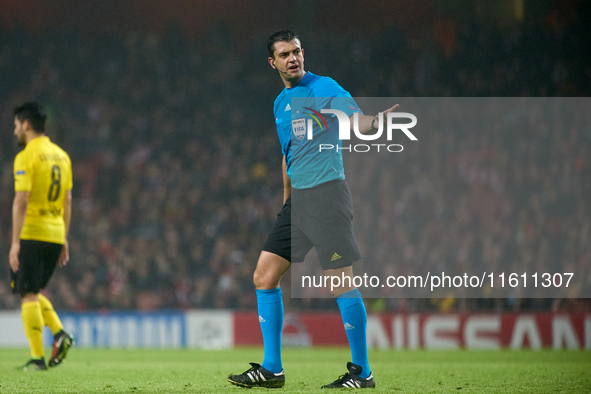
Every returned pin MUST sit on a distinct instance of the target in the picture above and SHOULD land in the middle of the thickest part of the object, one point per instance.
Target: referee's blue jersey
(307, 166)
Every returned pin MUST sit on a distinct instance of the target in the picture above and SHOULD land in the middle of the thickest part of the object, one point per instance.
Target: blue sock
(355, 321)
(270, 304)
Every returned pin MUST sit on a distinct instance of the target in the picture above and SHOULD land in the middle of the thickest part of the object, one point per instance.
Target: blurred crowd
(493, 185)
(177, 165)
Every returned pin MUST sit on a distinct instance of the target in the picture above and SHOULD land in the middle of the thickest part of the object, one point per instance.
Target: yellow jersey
(45, 171)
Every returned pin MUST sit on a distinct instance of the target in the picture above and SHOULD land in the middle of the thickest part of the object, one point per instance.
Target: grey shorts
(319, 217)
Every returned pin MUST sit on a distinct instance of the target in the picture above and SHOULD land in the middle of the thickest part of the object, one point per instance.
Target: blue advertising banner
(126, 329)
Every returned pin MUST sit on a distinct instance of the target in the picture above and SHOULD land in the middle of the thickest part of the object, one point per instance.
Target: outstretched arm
(368, 123)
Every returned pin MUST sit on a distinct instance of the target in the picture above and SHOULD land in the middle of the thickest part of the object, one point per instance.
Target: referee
(41, 215)
(322, 215)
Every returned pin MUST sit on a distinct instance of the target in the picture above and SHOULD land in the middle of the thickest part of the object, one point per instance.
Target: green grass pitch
(194, 371)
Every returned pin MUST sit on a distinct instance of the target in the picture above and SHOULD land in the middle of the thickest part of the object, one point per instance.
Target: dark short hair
(34, 113)
(280, 35)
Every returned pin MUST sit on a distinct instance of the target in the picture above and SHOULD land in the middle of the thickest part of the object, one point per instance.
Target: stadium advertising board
(226, 329)
(434, 331)
(127, 329)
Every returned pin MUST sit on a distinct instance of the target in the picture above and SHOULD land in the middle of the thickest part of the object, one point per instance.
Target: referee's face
(19, 132)
(288, 60)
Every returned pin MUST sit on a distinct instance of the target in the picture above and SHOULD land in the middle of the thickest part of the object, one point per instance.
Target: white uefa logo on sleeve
(298, 127)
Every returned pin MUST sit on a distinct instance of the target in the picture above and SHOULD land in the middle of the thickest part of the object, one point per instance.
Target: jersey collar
(306, 76)
(38, 140)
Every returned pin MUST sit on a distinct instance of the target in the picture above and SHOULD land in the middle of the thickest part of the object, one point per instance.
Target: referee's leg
(269, 271)
(354, 317)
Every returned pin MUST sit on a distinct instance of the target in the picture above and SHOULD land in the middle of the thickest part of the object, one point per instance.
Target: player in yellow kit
(41, 215)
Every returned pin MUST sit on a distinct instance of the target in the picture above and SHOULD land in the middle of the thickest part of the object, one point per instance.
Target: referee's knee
(270, 268)
(263, 281)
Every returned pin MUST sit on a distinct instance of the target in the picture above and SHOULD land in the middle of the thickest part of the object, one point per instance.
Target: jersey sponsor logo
(52, 157)
(287, 107)
(298, 127)
(53, 211)
(20, 172)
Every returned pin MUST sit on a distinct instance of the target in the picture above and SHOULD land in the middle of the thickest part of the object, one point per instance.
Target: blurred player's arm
(286, 181)
(65, 255)
(368, 123)
(19, 212)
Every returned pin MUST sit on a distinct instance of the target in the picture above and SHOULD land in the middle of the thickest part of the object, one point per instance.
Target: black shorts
(319, 217)
(37, 260)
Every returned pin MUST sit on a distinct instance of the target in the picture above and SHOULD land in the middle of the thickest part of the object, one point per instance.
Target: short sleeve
(345, 104)
(341, 99)
(23, 173)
